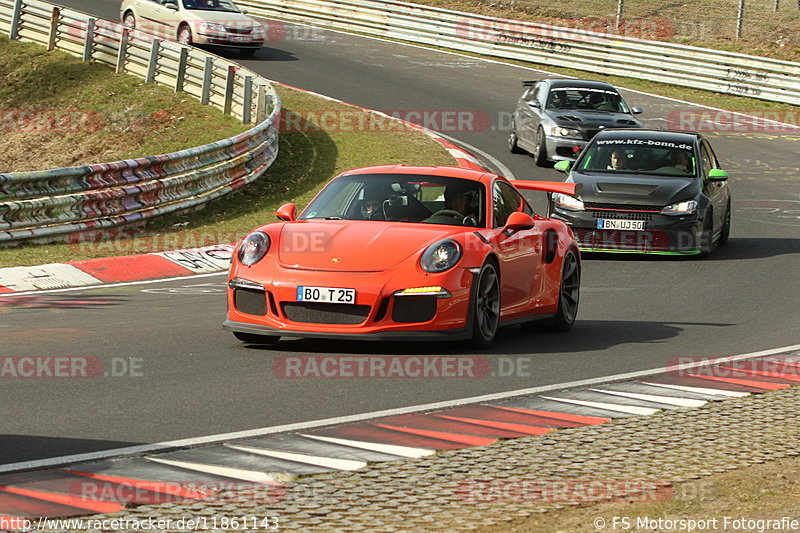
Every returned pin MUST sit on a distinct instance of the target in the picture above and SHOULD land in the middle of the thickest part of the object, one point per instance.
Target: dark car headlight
(567, 202)
(440, 256)
(253, 248)
(687, 207)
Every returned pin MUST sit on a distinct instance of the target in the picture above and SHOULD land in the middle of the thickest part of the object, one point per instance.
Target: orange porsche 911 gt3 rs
(403, 252)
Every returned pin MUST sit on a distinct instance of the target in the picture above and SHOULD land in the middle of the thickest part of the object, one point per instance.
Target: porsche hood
(344, 246)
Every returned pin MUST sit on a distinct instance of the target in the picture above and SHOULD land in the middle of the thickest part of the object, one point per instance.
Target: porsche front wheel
(486, 306)
(252, 338)
(568, 293)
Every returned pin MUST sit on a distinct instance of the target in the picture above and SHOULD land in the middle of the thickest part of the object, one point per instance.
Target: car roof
(587, 84)
(447, 172)
(661, 135)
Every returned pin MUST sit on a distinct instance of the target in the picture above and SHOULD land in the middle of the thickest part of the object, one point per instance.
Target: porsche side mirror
(518, 221)
(637, 110)
(287, 212)
(717, 174)
(563, 166)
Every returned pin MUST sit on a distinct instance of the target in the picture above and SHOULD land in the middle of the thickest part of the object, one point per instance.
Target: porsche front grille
(325, 313)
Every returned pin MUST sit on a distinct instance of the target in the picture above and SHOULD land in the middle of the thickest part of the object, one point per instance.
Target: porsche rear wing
(571, 189)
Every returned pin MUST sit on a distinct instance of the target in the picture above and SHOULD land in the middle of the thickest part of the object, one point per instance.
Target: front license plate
(610, 223)
(326, 294)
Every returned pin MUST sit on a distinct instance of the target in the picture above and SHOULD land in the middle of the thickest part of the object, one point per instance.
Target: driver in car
(459, 198)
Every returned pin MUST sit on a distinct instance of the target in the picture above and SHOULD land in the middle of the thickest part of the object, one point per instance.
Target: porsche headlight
(687, 207)
(567, 202)
(212, 27)
(441, 256)
(565, 132)
(254, 247)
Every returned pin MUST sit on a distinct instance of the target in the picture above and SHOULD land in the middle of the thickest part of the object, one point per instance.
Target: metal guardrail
(53, 204)
(713, 70)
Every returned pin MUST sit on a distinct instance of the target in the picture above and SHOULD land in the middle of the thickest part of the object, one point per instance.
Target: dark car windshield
(400, 198)
(639, 156)
(586, 99)
(210, 5)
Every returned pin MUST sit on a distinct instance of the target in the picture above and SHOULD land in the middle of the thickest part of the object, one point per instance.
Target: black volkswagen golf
(647, 191)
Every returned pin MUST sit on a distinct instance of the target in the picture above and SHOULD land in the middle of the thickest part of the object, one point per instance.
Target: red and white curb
(92, 272)
(261, 461)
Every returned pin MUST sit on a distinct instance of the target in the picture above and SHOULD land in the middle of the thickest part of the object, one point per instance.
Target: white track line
(314, 460)
(700, 390)
(668, 400)
(110, 285)
(305, 426)
(391, 449)
(629, 409)
(253, 476)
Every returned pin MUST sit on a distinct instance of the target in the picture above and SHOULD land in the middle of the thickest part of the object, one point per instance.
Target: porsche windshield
(210, 5)
(586, 99)
(401, 198)
(637, 156)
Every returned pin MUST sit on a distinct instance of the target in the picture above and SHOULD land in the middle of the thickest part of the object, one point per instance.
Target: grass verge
(766, 492)
(308, 158)
(58, 111)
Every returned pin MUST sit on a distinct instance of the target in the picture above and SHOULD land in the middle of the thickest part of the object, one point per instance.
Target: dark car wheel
(707, 242)
(252, 338)
(726, 227)
(486, 306)
(129, 21)
(512, 141)
(540, 155)
(185, 35)
(568, 294)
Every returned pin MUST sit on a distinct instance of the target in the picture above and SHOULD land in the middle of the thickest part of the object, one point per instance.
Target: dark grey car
(555, 118)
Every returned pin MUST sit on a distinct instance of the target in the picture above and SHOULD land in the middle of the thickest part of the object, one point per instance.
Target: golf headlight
(254, 247)
(212, 27)
(565, 132)
(686, 207)
(567, 202)
(441, 256)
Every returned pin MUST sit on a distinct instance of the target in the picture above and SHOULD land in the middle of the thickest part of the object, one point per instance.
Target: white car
(203, 22)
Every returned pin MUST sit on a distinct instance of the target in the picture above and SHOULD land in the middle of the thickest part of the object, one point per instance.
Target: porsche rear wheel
(568, 293)
(486, 306)
(252, 338)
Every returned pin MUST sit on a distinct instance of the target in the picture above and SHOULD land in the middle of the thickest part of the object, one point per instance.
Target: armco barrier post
(208, 72)
(181, 76)
(122, 53)
(230, 79)
(88, 41)
(261, 103)
(152, 65)
(247, 103)
(16, 16)
(55, 17)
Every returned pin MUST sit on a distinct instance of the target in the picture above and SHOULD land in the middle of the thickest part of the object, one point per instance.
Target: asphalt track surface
(182, 376)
